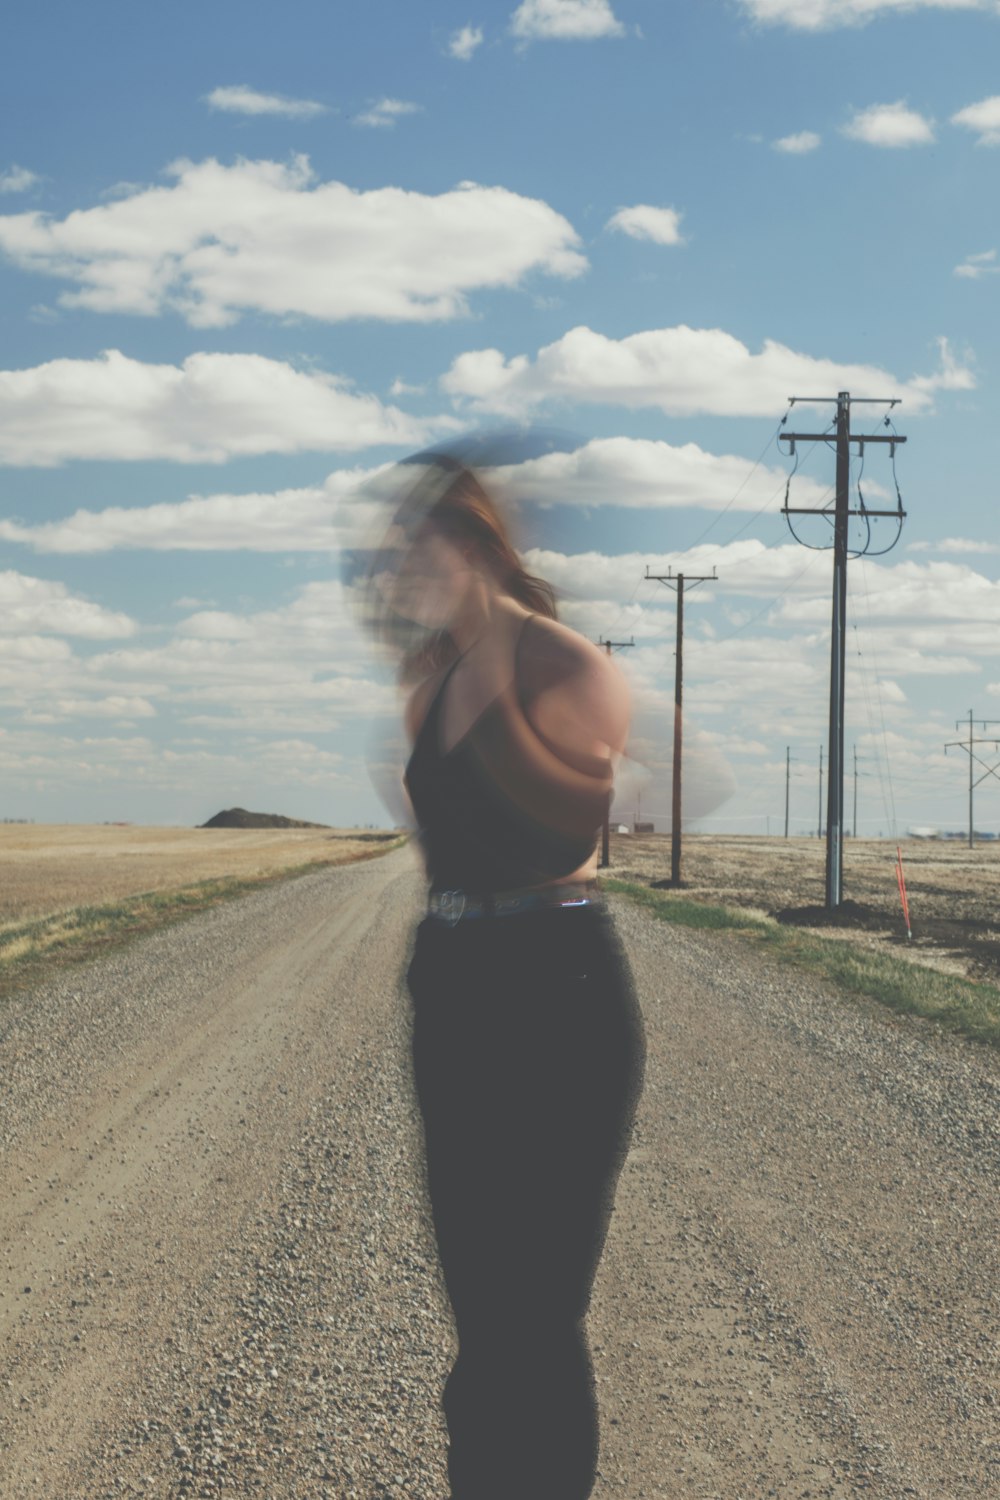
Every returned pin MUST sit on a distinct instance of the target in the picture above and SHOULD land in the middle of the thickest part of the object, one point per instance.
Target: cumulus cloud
(643, 222)
(18, 180)
(115, 707)
(916, 591)
(266, 236)
(748, 567)
(890, 125)
(955, 544)
(797, 145)
(208, 409)
(681, 371)
(43, 606)
(316, 518)
(645, 474)
(384, 114)
(464, 42)
(824, 15)
(565, 19)
(240, 99)
(974, 267)
(984, 118)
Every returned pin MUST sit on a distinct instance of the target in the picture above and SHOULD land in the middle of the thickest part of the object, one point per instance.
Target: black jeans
(528, 1052)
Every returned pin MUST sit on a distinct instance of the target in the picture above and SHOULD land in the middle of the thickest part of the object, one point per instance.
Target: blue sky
(248, 257)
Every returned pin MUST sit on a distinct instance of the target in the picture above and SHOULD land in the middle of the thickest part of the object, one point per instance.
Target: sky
(250, 255)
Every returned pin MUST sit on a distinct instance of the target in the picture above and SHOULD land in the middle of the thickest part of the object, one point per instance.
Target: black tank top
(475, 837)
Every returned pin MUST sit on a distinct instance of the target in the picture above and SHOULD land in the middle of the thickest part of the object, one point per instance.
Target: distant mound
(238, 817)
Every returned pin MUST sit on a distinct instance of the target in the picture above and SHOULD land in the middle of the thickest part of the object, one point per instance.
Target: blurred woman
(528, 1043)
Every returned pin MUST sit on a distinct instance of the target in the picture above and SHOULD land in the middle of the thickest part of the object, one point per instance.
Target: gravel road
(219, 1274)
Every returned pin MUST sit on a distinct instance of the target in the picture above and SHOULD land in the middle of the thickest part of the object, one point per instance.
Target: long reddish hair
(465, 513)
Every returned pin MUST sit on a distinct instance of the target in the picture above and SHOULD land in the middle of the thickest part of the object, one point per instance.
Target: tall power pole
(606, 830)
(969, 746)
(862, 775)
(842, 513)
(788, 777)
(678, 582)
(819, 817)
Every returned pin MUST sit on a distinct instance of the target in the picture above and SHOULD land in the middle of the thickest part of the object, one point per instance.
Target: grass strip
(961, 1005)
(30, 952)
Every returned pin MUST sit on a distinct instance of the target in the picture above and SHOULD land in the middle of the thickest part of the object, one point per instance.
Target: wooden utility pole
(969, 747)
(842, 513)
(819, 819)
(788, 777)
(677, 582)
(606, 830)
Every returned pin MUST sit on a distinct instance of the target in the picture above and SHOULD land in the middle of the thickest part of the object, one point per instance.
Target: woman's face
(431, 579)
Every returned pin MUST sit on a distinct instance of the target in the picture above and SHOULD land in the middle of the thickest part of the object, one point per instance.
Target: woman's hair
(463, 513)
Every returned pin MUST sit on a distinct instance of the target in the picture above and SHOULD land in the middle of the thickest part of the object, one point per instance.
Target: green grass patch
(31, 951)
(961, 1005)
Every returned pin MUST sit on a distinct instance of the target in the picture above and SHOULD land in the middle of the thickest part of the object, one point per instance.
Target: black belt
(453, 906)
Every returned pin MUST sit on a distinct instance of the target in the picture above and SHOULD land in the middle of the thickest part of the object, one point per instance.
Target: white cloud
(627, 473)
(43, 606)
(681, 370)
(984, 118)
(384, 114)
(797, 145)
(920, 592)
(643, 222)
(115, 707)
(18, 180)
(824, 15)
(955, 544)
(951, 374)
(464, 42)
(889, 125)
(639, 473)
(265, 236)
(240, 99)
(319, 518)
(565, 19)
(206, 410)
(747, 567)
(976, 266)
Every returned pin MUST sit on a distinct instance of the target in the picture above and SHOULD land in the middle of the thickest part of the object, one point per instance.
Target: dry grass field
(46, 869)
(954, 891)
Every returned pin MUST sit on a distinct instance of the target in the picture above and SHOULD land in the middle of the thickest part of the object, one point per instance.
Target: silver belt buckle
(451, 905)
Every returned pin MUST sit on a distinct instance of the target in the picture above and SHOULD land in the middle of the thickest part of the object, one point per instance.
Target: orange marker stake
(901, 882)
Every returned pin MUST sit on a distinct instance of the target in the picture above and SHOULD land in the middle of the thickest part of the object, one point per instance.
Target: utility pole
(788, 777)
(678, 583)
(842, 513)
(855, 792)
(969, 747)
(606, 829)
(819, 819)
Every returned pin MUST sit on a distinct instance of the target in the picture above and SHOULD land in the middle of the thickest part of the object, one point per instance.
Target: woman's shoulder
(572, 683)
(551, 648)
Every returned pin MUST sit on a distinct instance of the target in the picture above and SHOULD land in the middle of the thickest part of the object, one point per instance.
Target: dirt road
(219, 1275)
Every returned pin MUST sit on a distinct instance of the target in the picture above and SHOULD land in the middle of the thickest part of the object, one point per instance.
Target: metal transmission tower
(969, 746)
(606, 830)
(843, 511)
(678, 582)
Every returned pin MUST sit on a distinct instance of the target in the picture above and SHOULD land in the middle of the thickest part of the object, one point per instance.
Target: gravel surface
(220, 1275)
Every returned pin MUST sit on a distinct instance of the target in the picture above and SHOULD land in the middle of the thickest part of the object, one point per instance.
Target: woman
(528, 1044)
